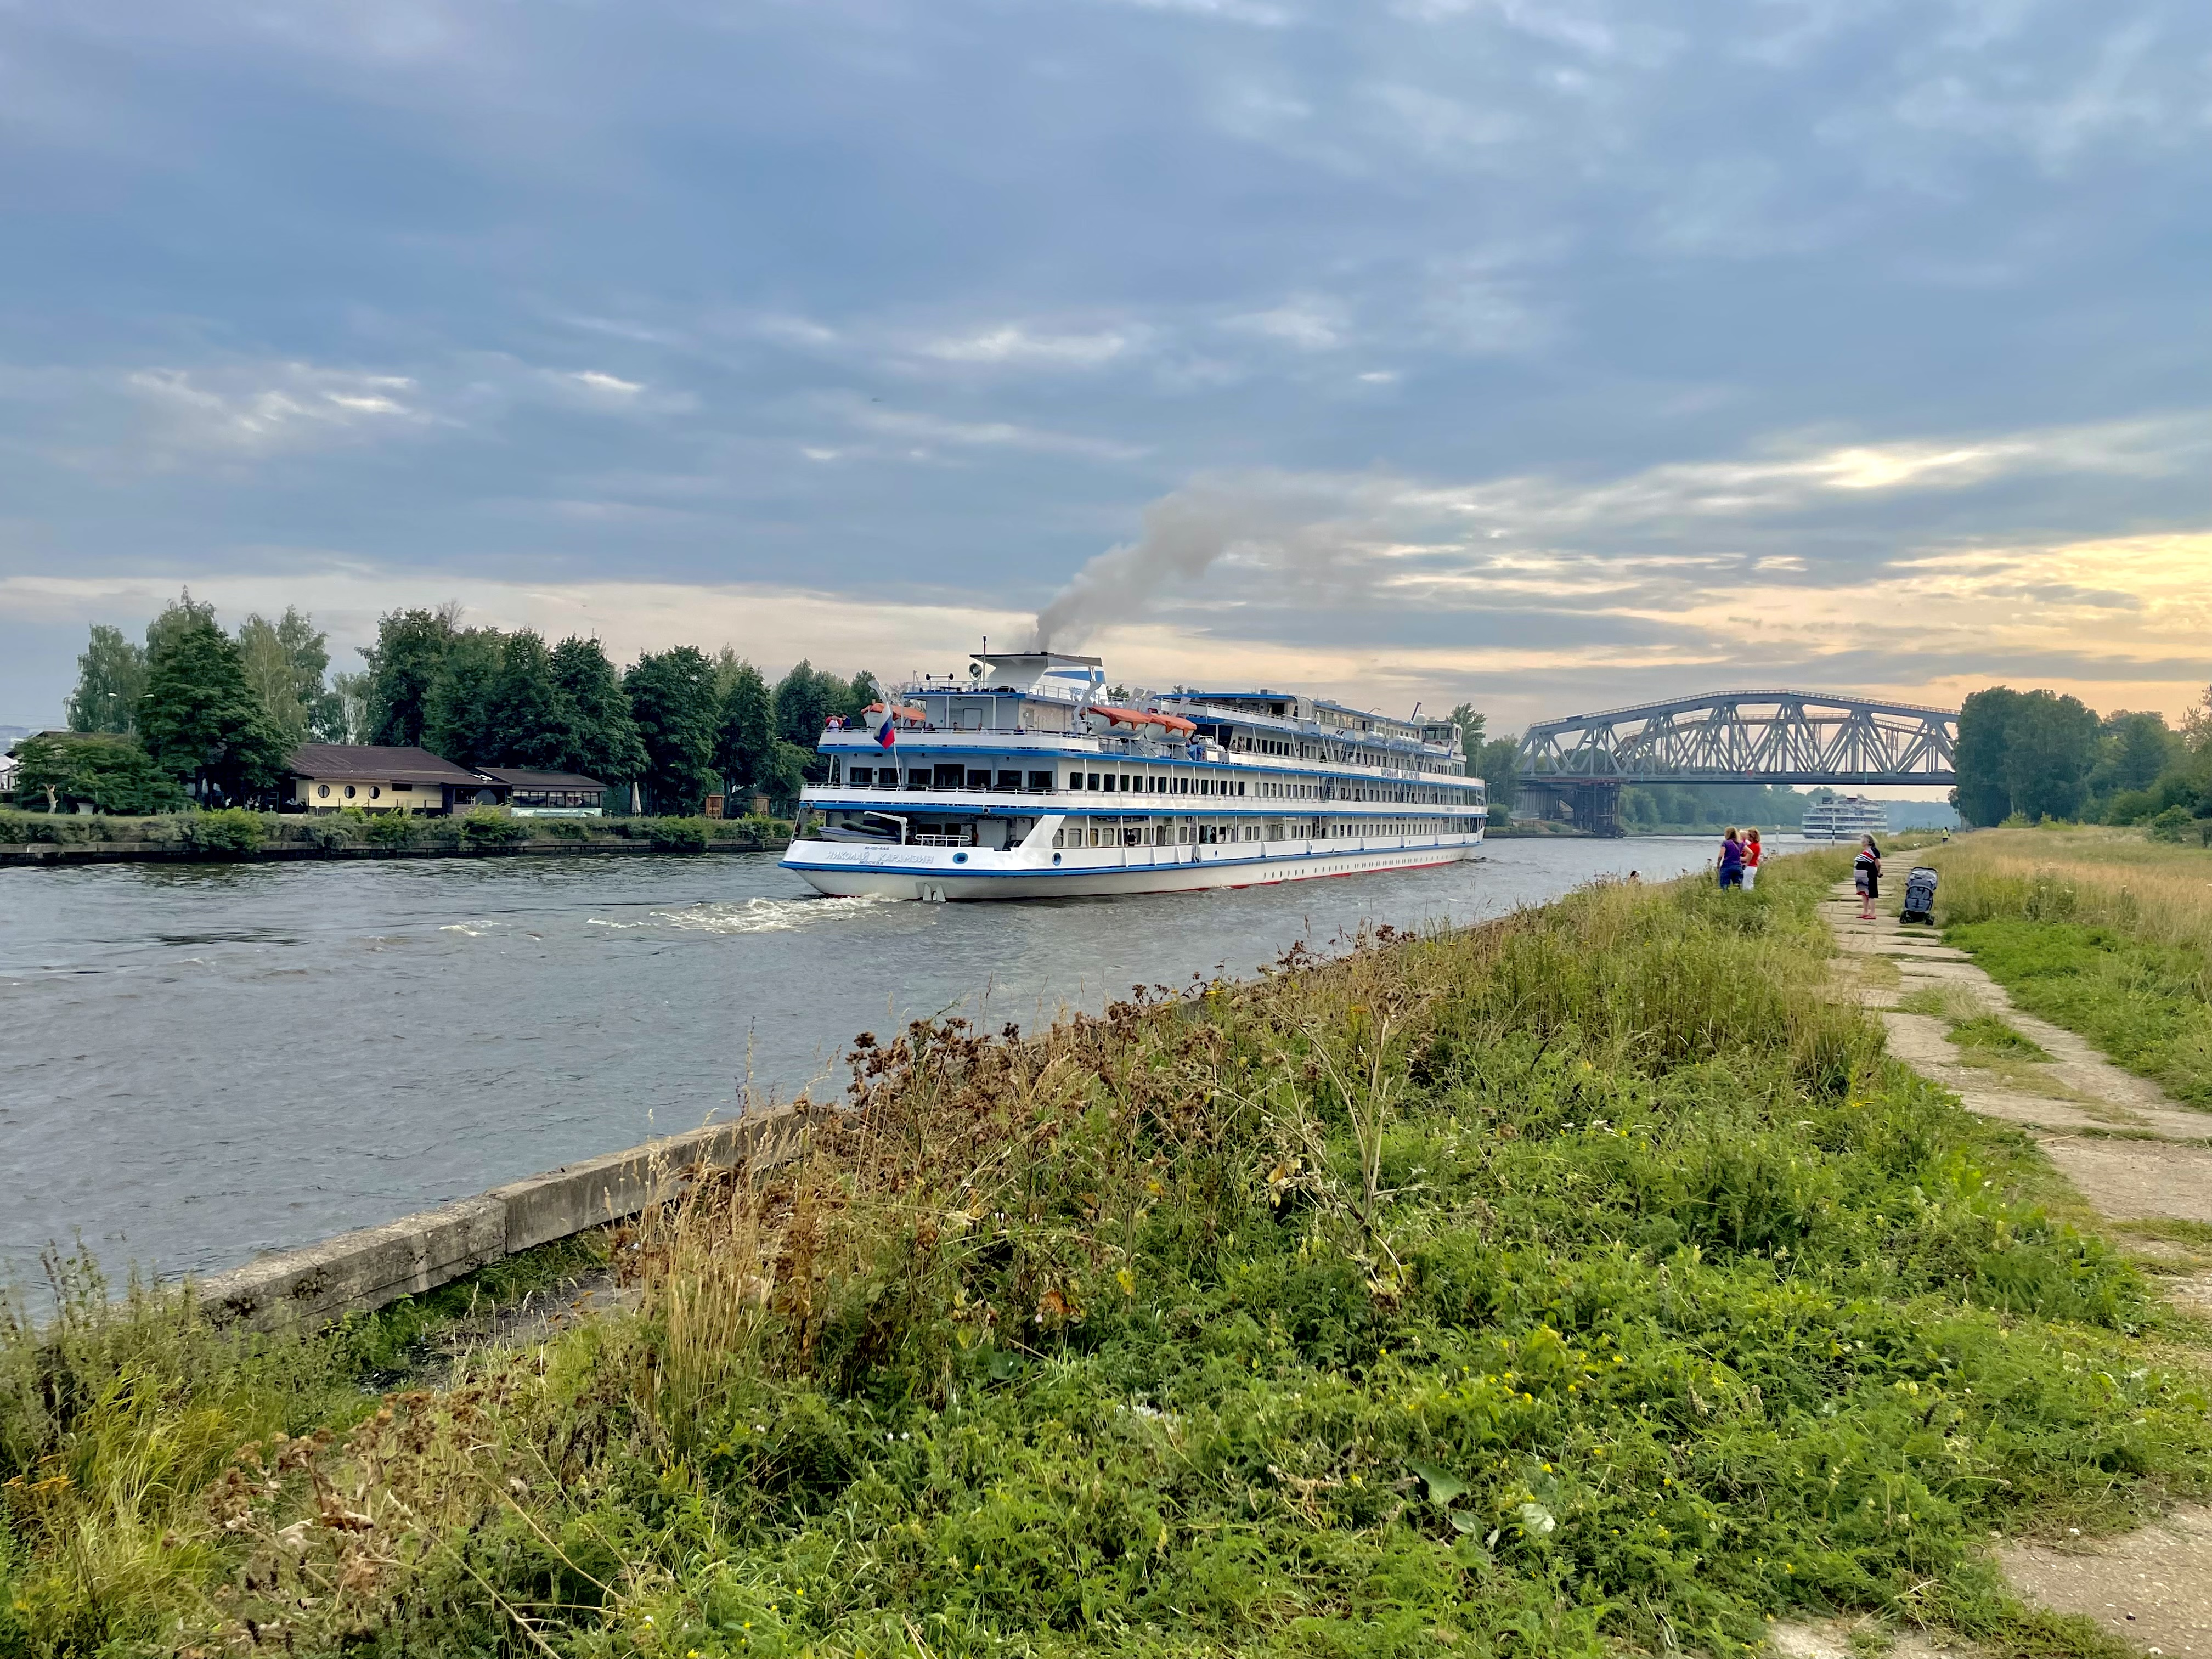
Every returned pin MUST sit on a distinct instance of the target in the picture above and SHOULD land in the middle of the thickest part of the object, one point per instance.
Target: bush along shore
(234, 833)
(2107, 932)
(1590, 1282)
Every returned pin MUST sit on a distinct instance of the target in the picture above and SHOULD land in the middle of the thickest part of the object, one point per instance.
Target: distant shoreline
(49, 855)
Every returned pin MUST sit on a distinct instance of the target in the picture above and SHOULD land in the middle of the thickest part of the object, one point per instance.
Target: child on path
(1751, 854)
(1731, 860)
(1866, 875)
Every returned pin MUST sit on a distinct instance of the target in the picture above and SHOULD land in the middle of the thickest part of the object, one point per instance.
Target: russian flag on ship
(887, 733)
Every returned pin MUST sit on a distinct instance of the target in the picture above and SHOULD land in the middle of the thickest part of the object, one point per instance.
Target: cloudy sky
(1552, 355)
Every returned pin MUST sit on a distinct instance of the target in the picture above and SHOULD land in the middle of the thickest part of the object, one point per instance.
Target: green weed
(2141, 1002)
(1589, 1281)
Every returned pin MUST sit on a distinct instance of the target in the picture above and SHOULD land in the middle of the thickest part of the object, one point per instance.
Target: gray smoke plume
(1295, 538)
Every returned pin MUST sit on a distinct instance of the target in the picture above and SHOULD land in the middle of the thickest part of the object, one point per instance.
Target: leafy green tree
(2196, 725)
(2050, 742)
(201, 721)
(107, 771)
(2135, 750)
(671, 696)
(343, 717)
(745, 739)
(110, 677)
(1494, 759)
(861, 692)
(607, 745)
(456, 716)
(403, 666)
(804, 700)
(1471, 733)
(782, 774)
(285, 661)
(1498, 764)
(180, 614)
(1982, 796)
(527, 722)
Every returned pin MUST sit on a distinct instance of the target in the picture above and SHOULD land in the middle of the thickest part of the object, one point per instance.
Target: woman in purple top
(1731, 860)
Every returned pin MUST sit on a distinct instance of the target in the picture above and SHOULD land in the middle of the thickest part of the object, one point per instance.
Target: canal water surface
(202, 1062)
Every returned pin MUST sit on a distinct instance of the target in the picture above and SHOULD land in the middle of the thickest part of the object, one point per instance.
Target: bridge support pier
(1591, 805)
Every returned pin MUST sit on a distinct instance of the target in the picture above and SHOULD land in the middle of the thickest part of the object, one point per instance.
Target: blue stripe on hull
(1100, 880)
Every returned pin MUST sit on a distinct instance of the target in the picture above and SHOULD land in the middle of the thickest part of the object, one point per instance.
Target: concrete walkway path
(2129, 1149)
(2136, 1156)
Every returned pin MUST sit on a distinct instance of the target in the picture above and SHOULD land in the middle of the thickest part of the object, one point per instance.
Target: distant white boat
(1845, 817)
(1027, 782)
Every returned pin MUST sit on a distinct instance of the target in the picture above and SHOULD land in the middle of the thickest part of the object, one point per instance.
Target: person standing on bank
(1866, 875)
(1731, 860)
(1752, 851)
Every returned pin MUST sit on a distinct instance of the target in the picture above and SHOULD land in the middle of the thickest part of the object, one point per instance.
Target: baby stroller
(1919, 895)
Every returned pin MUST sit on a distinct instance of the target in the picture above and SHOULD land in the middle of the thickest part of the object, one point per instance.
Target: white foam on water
(766, 915)
(472, 927)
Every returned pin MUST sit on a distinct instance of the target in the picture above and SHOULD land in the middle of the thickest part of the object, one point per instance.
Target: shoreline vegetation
(1585, 1282)
(235, 835)
(2107, 932)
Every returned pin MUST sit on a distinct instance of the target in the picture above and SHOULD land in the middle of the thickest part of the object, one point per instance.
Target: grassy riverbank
(1589, 1281)
(2102, 930)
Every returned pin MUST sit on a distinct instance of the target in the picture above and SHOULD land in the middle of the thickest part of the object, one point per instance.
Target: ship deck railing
(1143, 748)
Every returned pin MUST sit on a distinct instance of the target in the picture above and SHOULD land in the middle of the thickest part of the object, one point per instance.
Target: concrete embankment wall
(366, 1269)
(49, 854)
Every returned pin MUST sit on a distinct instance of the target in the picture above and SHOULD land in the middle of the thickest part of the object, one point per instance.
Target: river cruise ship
(1028, 780)
(1844, 817)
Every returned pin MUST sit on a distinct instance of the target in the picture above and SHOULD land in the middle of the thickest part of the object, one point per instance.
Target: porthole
(323, 791)
(348, 788)
(1055, 858)
(960, 858)
(374, 793)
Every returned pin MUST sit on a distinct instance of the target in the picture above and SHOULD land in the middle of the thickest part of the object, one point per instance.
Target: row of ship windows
(1146, 783)
(1183, 832)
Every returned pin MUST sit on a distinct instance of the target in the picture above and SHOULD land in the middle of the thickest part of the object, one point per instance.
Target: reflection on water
(207, 1061)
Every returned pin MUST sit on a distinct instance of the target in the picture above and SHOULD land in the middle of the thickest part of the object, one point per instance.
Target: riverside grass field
(1583, 1283)
(2102, 930)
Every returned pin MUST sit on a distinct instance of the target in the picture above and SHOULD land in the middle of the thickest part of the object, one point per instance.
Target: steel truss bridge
(1579, 764)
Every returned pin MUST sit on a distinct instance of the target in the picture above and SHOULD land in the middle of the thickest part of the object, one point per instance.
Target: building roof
(378, 764)
(516, 778)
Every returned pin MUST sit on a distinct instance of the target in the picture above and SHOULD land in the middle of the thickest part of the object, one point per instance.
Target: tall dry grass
(2103, 878)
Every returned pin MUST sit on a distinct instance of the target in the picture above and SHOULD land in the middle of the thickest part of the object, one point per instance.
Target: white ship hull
(847, 870)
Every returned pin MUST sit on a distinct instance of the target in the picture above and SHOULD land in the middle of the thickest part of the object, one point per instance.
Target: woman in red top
(1751, 856)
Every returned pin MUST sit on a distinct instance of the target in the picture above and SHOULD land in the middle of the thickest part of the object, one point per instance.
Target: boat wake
(755, 916)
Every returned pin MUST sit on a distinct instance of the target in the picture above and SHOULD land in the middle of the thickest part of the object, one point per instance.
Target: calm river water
(202, 1062)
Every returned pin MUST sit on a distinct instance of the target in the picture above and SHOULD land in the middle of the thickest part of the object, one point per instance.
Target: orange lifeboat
(901, 713)
(1137, 719)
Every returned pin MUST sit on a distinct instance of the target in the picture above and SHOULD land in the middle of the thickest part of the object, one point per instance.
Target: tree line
(1492, 759)
(196, 714)
(2024, 756)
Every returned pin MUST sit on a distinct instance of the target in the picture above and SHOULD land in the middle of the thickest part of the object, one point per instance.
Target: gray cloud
(1574, 314)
